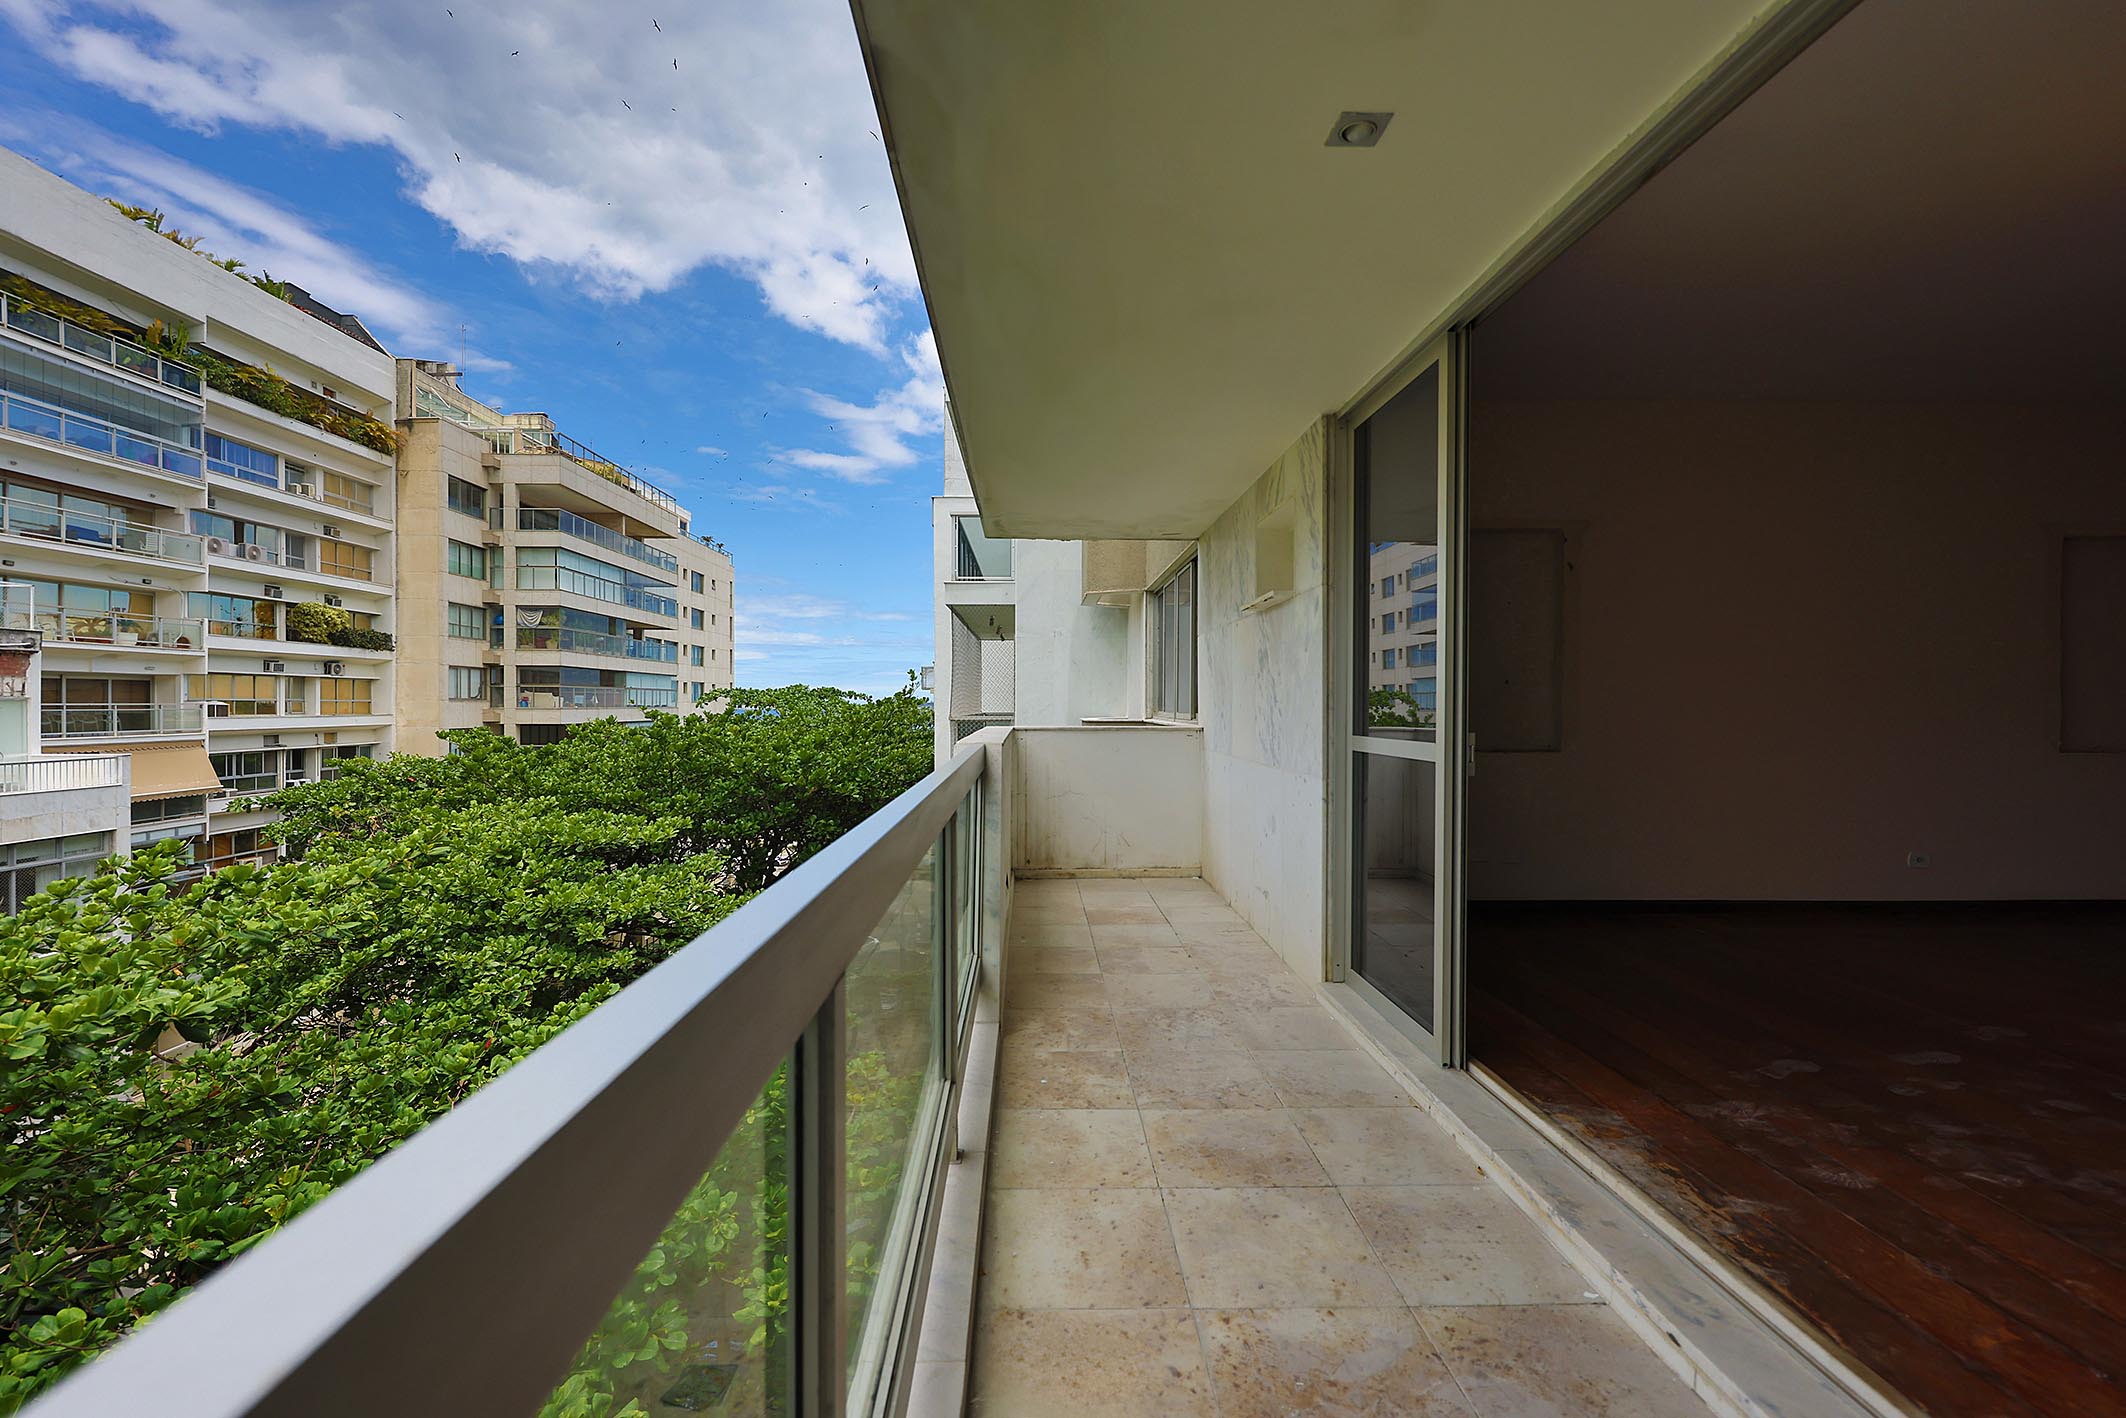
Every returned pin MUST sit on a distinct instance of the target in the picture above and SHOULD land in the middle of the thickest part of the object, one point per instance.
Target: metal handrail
(108, 349)
(595, 642)
(46, 522)
(554, 519)
(360, 1305)
(516, 440)
(85, 627)
(63, 772)
(112, 720)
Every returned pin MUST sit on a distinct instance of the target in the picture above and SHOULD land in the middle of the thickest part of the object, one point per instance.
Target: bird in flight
(626, 105)
(456, 156)
(657, 27)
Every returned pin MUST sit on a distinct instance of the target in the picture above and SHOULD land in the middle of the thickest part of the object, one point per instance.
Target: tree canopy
(188, 1066)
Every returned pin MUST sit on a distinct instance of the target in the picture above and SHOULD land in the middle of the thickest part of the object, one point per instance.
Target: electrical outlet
(1918, 859)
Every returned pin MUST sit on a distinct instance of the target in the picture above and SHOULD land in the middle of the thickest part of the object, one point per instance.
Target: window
(697, 620)
(245, 616)
(343, 491)
(240, 533)
(467, 682)
(1425, 654)
(1387, 586)
(168, 809)
(251, 771)
(1173, 628)
(228, 848)
(243, 694)
(1387, 659)
(465, 560)
(468, 498)
(240, 460)
(696, 660)
(336, 558)
(977, 555)
(331, 757)
(466, 622)
(697, 583)
(28, 867)
(1424, 606)
(1426, 693)
(336, 695)
(293, 696)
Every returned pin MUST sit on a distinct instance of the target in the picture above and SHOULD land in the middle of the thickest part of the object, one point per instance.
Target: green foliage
(269, 391)
(316, 622)
(356, 637)
(1395, 709)
(153, 219)
(763, 783)
(188, 1067)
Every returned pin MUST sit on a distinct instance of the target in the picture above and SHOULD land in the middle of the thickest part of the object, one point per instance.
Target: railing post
(819, 1216)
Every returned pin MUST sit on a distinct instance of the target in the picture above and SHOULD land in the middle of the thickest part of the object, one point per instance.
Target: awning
(167, 770)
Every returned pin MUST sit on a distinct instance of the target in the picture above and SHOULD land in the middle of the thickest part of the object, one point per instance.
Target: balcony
(33, 418)
(61, 794)
(597, 588)
(103, 349)
(106, 629)
(62, 772)
(595, 696)
(547, 519)
(537, 442)
(113, 535)
(591, 642)
(110, 721)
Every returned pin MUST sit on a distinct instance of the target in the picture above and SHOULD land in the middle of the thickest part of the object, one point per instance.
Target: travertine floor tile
(1102, 1249)
(1047, 911)
(1235, 957)
(1197, 1078)
(1145, 960)
(1090, 1364)
(1273, 1248)
(1070, 1147)
(1146, 1030)
(1216, 933)
(1033, 991)
(1392, 1146)
(1078, 1078)
(1123, 913)
(1049, 933)
(1260, 990)
(1463, 1246)
(1306, 1027)
(1328, 1078)
(1081, 1027)
(1110, 935)
(1344, 1362)
(1230, 1147)
(1054, 960)
(1203, 913)
(1183, 891)
(1184, 991)
(1556, 1359)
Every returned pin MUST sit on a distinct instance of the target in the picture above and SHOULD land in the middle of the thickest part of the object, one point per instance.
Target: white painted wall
(1261, 678)
(1110, 799)
(1074, 659)
(1801, 640)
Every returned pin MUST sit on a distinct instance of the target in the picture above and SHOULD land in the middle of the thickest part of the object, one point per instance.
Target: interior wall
(1801, 641)
(1260, 677)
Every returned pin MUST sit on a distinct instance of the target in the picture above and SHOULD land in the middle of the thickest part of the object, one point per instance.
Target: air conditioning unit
(329, 530)
(272, 741)
(213, 501)
(334, 601)
(274, 593)
(254, 552)
(335, 667)
(219, 546)
(276, 667)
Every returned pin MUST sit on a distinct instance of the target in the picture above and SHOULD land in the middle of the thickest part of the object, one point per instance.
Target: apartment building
(195, 514)
(544, 585)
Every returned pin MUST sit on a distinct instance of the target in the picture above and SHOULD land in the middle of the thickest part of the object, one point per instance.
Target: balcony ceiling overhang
(1146, 271)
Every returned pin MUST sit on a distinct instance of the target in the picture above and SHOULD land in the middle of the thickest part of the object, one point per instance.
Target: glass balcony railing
(547, 519)
(37, 419)
(977, 556)
(595, 696)
(46, 522)
(797, 1064)
(105, 349)
(83, 627)
(79, 721)
(580, 583)
(1424, 605)
(592, 642)
(526, 442)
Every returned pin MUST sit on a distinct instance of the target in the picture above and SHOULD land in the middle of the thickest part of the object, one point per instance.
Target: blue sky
(671, 226)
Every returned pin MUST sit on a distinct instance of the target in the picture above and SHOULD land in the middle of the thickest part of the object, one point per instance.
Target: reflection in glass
(703, 1324)
(892, 1090)
(1392, 919)
(1397, 463)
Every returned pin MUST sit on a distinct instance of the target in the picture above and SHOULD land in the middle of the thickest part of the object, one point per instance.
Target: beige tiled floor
(1207, 1200)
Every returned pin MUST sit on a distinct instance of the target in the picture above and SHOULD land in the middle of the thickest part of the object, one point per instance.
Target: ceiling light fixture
(1357, 130)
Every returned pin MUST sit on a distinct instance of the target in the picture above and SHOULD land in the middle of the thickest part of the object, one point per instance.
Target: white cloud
(710, 450)
(557, 133)
(877, 433)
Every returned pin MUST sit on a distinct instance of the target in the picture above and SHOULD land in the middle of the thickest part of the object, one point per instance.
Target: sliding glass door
(1401, 754)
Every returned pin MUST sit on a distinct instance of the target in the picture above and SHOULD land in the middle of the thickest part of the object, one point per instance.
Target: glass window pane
(1397, 462)
(967, 897)
(1395, 828)
(703, 1324)
(892, 1089)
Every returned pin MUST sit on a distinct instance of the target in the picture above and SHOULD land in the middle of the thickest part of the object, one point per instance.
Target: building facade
(196, 512)
(546, 586)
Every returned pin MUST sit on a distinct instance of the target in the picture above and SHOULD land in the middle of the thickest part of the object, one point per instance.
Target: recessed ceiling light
(1357, 130)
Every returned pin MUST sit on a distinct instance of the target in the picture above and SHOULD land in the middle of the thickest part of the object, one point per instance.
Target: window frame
(1156, 652)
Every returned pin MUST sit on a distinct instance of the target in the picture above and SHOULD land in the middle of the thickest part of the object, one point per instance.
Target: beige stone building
(544, 585)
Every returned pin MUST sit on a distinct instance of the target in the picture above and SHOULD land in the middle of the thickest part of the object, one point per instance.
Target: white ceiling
(1146, 272)
(1930, 202)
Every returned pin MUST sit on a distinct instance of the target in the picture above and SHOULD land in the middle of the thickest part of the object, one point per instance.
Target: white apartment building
(181, 542)
(545, 585)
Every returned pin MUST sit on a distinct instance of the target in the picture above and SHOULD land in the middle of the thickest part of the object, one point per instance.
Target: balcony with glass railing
(83, 433)
(548, 519)
(597, 588)
(91, 721)
(46, 522)
(119, 629)
(103, 349)
(592, 642)
(533, 442)
(595, 696)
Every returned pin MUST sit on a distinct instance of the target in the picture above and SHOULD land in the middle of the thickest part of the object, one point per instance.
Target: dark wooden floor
(1909, 1123)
